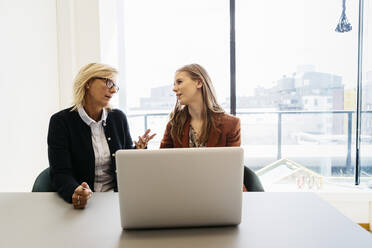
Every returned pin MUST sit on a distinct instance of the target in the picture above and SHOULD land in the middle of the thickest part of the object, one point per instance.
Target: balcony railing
(280, 115)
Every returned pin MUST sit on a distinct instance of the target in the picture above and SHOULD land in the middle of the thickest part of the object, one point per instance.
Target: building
(305, 89)
(160, 98)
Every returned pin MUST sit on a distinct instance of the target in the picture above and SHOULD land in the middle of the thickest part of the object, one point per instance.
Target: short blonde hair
(85, 75)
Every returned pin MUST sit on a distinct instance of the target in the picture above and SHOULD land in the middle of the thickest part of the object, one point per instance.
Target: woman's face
(98, 93)
(186, 89)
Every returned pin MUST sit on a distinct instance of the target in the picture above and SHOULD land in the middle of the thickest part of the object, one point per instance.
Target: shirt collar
(85, 117)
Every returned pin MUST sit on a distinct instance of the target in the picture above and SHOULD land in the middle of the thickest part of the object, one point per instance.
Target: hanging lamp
(343, 24)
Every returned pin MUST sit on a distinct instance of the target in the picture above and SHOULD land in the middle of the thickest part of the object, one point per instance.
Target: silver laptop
(180, 187)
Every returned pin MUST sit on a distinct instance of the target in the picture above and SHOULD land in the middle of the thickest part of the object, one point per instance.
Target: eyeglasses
(109, 83)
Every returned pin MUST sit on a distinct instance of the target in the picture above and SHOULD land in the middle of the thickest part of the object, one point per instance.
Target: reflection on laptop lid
(180, 187)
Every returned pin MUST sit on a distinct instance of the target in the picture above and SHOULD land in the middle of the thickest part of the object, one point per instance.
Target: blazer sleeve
(233, 137)
(59, 156)
(127, 137)
(167, 141)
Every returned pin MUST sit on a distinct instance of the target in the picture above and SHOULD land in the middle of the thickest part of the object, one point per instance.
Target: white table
(269, 220)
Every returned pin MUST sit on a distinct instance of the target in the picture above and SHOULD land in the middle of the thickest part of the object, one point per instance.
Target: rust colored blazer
(229, 135)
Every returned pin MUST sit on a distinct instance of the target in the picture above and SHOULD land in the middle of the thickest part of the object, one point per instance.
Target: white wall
(43, 45)
(28, 87)
(78, 35)
(109, 38)
(87, 32)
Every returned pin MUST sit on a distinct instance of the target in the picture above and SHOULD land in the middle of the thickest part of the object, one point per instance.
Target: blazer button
(109, 138)
(113, 154)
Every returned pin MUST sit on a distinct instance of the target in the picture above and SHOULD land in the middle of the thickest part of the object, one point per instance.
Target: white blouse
(103, 180)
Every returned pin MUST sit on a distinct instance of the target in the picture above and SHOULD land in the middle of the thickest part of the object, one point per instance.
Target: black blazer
(70, 149)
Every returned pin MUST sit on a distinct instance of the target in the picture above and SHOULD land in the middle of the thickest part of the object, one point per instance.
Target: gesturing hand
(81, 195)
(142, 141)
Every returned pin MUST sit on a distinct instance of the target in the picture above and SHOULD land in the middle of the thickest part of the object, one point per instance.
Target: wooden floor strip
(365, 226)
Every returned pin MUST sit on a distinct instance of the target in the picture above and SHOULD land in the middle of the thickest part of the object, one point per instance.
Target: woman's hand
(81, 196)
(142, 141)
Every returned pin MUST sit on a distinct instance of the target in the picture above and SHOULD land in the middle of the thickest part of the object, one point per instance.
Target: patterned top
(193, 140)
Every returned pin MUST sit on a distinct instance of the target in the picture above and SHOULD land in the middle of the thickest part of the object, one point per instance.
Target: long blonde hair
(85, 75)
(180, 114)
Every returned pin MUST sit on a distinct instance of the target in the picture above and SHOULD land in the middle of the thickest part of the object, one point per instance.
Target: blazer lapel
(185, 137)
(214, 135)
(87, 137)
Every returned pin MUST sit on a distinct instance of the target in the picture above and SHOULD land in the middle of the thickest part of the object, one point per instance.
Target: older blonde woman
(197, 119)
(83, 139)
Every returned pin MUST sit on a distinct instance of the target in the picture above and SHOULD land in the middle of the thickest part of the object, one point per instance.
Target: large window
(366, 124)
(296, 77)
(160, 37)
(296, 80)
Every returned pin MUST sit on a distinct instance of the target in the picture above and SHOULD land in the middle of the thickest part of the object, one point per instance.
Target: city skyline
(163, 97)
(265, 49)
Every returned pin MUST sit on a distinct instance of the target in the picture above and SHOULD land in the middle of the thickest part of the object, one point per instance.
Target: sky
(272, 39)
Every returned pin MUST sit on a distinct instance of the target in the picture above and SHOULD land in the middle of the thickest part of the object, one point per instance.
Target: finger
(86, 193)
(146, 133)
(76, 203)
(80, 206)
(85, 185)
(81, 194)
(151, 137)
(79, 189)
(138, 146)
(148, 138)
(140, 141)
(76, 198)
(81, 203)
